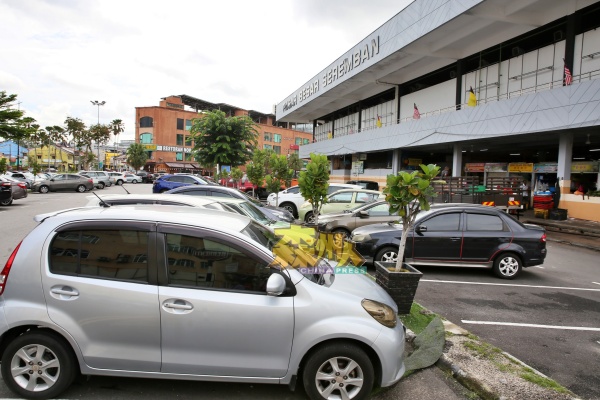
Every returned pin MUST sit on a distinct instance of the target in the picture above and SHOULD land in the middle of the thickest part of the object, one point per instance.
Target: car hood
(377, 228)
(361, 285)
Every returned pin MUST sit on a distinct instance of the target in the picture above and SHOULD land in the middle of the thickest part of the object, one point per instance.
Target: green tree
(100, 134)
(236, 175)
(280, 174)
(116, 127)
(408, 194)
(295, 163)
(137, 156)
(9, 117)
(3, 165)
(219, 139)
(314, 182)
(255, 170)
(75, 128)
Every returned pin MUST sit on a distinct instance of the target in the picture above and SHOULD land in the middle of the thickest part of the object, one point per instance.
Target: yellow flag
(378, 121)
(472, 102)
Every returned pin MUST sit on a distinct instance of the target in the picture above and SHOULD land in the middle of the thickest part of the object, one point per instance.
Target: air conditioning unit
(517, 51)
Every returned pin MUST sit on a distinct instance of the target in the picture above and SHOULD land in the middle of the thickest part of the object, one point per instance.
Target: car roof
(195, 201)
(369, 191)
(222, 220)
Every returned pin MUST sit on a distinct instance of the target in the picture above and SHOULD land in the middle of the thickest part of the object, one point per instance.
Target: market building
(488, 88)
(165, 132)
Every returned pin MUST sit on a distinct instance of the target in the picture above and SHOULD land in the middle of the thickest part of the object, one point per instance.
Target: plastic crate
(540, 213)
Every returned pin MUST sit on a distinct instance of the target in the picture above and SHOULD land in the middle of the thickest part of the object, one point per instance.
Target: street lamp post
(98, 103)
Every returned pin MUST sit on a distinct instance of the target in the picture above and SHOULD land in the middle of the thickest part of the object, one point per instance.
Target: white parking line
(572, 328)
(512, 285)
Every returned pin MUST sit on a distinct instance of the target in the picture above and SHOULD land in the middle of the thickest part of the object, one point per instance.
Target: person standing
(525, 194)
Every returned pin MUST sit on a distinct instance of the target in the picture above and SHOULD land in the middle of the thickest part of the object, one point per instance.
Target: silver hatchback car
(128, 291)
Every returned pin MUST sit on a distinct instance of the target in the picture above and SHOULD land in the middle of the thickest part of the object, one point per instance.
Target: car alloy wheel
(6, 202)
(387, 254)
(309, 218)
(134, 181)
(119, 182)
(101, 185)
(290, 207)
(81, 188)
(44, 189)
(338, 371)
(507, 266)
(36, 366)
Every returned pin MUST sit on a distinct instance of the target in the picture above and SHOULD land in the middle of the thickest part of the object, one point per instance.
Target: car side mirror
(275, 285)
(196, 183)
(51, 179)
(363, 214)
(421, 228)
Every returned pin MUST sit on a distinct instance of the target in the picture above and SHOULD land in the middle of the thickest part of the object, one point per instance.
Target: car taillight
(22, 185)
(6, 270)
(543, 238)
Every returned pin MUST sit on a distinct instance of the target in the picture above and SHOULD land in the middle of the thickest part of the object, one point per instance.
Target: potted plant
(408, 194)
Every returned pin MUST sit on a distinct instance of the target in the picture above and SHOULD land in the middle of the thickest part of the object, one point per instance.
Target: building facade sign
(358, 56)
(496, 167)
(173, 105)
(474, 167)
(520, 167)
(547, 168)
(173, 148)
(584, 166)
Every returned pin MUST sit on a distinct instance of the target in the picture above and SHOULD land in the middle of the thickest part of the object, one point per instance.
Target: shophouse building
(489, 88)
(164, 130)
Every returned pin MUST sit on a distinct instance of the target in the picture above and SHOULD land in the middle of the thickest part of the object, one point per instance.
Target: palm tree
(117, 127)
(78, 131)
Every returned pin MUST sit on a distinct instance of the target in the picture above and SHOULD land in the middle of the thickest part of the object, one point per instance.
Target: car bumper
(390, 346)
(365, 249)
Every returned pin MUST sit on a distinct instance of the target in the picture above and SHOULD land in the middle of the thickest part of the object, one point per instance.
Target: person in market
(525, 194)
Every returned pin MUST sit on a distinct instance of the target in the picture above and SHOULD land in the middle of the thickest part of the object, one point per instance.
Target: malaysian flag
(416, 113)
(568, 76)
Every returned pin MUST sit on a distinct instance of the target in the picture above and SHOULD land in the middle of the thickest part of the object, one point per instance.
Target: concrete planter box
(401, 286)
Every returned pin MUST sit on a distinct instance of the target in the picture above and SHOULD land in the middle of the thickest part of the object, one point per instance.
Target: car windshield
(255, 213)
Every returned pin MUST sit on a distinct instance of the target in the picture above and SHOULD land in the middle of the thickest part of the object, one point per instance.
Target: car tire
(291, 208)
(507, 266)
(339, 231)
(387, 254)
(163, 190)
(44, 189)
(6, 202)
(356, 378)
(119, 182)
(309, 218)
(55, 365)
(100, 185)
(80, 188)
(134, 181)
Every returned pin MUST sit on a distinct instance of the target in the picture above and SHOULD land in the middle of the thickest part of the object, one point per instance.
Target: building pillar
(396, 158)
(565, 155)
(457, 160)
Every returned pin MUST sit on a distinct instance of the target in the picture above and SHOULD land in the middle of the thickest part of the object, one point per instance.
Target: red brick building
(165, 132)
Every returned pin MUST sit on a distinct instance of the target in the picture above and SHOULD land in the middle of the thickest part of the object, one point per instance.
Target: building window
(188, 124)
(188, 156)
(188, 141)
(277, 138)
(146, 138)
(180, 124)
(267, 147)
(277, 149)
(146, 122)
(298, 141)
(179, 140)
(178, 156)
(305, 141)
(267, 136)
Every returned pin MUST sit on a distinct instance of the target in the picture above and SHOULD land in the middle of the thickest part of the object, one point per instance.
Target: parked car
(132, 178)
(117, 178)
(345, 199)
(11, 189)
(25, 177)
(172, 181)
(79, 183)
(145, 177)
(156, 199)
(100, 178)
(49, 301)
(291, 199)
(458, 235)
(345, 222)
(371, 185)
(274, 213)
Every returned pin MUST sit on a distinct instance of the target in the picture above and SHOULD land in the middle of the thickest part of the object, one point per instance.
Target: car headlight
(382, 313)
(360, 237)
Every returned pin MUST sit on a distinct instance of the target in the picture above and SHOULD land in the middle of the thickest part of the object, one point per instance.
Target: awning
(174, 165)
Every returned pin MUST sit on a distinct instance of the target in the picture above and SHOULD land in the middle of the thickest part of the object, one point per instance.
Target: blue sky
(57, 55)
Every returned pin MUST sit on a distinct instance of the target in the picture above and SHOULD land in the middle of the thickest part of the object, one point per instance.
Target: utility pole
(98, 103)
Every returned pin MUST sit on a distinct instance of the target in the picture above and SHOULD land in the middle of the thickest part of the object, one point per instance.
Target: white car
(117, 178)
(132, 178)
(291, 199)
(100, 178)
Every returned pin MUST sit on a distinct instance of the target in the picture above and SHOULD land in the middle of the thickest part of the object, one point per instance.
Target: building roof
(203, 105)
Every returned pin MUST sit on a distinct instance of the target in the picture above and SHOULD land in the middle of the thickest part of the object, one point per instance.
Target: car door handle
(65, 292)
(177, 306)
(454, 239)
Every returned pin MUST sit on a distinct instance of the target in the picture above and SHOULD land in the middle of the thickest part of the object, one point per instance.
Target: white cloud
(63, 53)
